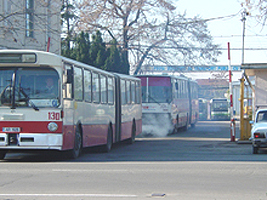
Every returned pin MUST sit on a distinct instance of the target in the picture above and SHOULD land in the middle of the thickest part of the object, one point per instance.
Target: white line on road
(71, 195)
(88, 170)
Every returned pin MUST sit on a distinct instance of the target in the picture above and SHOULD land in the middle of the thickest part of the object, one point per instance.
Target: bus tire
(133, 134)
(108, 145)
(255, 150)
(176, 126)
(185, 128)
(77, 149)
(2, 155)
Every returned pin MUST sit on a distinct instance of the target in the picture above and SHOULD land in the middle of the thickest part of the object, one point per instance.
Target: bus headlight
(52, 126)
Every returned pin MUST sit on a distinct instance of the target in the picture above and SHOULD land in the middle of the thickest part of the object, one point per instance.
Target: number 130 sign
(53, 115)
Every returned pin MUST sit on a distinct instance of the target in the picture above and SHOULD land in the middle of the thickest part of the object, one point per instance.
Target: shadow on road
(208, 141)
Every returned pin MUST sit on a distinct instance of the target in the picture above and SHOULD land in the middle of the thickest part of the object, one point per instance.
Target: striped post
(232, 124)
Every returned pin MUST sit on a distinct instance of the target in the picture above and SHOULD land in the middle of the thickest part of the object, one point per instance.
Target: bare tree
(30, 24)
(259, 7)
(150, 31)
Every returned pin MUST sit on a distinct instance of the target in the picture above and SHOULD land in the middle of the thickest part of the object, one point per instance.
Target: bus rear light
(52, 126)
(259, 135)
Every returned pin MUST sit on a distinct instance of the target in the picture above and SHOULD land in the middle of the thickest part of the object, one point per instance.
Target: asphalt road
(201, 163)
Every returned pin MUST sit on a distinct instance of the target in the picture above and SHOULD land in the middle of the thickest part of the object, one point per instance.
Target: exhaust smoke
(156, 125)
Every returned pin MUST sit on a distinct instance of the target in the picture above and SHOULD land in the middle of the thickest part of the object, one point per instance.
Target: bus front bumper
(31, 141)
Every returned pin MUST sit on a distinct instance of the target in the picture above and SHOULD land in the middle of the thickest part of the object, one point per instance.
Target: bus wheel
(2, 155)
(76, 151)
(255, 150)
(133, 135)
(108, 146)
(185, 128)
(175, 126)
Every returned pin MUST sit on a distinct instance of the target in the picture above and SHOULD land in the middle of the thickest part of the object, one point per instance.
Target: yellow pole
(242, 80)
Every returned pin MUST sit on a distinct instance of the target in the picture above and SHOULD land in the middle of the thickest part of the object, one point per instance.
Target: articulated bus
(174, 98)
(49, 102)
(219, 109)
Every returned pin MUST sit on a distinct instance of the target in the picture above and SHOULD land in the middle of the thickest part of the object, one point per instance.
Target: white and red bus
(49, 102)
(169, 100)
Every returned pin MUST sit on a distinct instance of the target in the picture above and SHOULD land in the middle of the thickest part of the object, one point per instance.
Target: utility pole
(242, 80)
(48, 25)
(243, 19)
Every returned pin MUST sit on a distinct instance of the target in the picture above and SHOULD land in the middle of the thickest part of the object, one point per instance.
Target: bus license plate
(11, 129)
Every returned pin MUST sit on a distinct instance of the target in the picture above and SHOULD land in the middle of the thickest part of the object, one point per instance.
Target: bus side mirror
(176, 86)
(68, 78)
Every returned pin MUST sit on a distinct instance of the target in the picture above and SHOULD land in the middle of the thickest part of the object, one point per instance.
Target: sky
(230, 29)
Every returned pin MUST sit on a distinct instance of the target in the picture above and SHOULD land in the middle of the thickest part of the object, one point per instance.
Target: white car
(259, 131)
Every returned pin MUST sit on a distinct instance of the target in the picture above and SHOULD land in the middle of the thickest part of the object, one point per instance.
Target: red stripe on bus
(30, 126)
(94, 135)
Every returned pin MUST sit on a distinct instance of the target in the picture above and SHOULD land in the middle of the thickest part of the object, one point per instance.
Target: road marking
(187, 139)
(88, 170)
(130, 163)
(72, 195)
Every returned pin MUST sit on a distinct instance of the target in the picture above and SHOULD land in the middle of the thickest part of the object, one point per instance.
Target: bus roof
(44, 58)
(164, 76)
(127, 76)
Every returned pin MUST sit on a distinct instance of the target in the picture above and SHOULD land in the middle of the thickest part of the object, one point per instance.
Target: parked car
(259, 131)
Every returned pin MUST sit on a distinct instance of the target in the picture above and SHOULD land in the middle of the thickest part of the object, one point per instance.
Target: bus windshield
(220, 106)
(156, 94)
(29, 87)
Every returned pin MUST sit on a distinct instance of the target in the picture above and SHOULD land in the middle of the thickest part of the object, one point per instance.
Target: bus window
(78, 86)
(103, 81)
(5, 86)
(175, 86)
(183, 89)
(110, 90)
(50, 87)
(186, 90)
(96, 88)
(31, 87)
(128, 92)
(138, 92)
(87, 86)
(159, 94)
(123, 92)
(67, 89)
(133, 91)
(179, 89)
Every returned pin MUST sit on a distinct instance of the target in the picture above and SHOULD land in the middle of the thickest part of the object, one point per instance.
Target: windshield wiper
(27, 98)
(153, 99)
(6, 95)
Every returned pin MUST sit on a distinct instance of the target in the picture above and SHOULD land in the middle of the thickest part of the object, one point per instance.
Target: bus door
(189, 85)
(126, 109)
(68, 108)
(117, 109)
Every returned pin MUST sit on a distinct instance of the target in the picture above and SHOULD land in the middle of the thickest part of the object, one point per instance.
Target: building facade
(30, 24)
(259, 72)
(212, 88)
